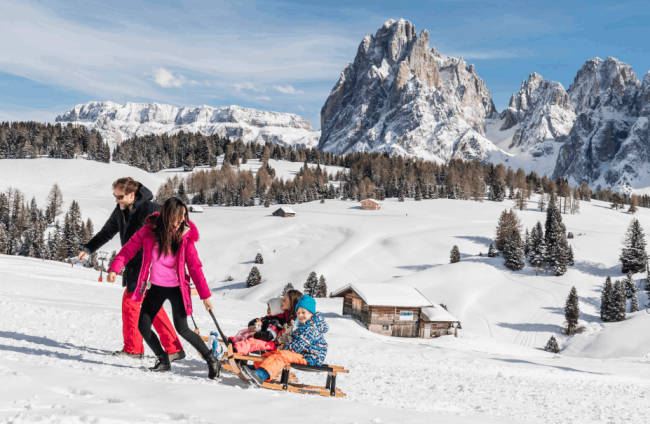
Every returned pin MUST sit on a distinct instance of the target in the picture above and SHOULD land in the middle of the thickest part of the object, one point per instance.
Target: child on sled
(307, 347)
(263, 333)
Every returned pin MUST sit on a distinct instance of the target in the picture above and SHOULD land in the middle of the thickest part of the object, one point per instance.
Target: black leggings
(151, 305)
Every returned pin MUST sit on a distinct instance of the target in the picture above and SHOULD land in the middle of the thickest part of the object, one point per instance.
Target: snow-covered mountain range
(403, 97)
(118, 122)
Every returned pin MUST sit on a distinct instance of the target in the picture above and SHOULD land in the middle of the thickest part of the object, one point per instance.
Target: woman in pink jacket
(167, 243)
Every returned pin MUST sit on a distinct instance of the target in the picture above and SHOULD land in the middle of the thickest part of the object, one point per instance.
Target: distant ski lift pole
(102, 257)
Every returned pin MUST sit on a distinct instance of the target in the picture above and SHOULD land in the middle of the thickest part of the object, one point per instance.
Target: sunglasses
(118, 197)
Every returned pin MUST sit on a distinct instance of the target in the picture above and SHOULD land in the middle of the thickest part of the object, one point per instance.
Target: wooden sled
(285, 384)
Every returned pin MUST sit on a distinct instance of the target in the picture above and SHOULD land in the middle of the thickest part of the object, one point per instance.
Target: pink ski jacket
(187, 255)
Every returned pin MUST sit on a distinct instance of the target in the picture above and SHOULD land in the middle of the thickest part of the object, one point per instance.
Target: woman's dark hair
(169, 240)
(294, 297)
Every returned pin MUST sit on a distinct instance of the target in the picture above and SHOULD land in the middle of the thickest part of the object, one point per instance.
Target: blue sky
(283, 56)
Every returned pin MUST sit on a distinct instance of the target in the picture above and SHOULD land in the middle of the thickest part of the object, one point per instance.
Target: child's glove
(285, 335)
(270, 330)
(255, 325)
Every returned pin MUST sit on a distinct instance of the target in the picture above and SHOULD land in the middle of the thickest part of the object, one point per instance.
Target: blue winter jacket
(309, 340)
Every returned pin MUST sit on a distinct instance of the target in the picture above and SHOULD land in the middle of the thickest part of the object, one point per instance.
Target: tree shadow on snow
(417, 268)
(51, 343)
(521, 361)
(232, 286)
(59, 355)
(480, 240)
(538, 328)
(598, 270)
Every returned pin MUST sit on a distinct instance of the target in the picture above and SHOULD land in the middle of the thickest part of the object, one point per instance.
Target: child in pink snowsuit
(262, 333)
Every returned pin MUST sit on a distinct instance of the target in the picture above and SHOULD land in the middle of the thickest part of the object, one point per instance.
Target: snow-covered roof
(377, 294)
(287, 209)
(438, 314)
(372, 200)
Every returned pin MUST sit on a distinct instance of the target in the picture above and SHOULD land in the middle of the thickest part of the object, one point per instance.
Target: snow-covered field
(59, 324)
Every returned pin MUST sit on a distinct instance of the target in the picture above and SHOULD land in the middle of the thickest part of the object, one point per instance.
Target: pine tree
(606, 300)
(629, 285)
(552, 346)
(401, 195)
(321, 288)
(259, 259)
(507, 221)
(254, 277)
(569, 260)
(55, 203)
(491, 251)
(633, 255)
(571, 312)
(634, 302)
(288, 287)
(514, 251)
(311, 284)
(620, 302)
(455, 255)
(537, 246)
(527, 244)
(418, 193)
(4, 242)
(557, 248)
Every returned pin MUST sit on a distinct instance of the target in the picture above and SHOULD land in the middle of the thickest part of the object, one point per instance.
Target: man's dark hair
(127, 184)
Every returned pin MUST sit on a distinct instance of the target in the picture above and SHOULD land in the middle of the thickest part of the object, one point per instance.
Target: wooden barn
(285, 212)
(370, 205)
(395, 310)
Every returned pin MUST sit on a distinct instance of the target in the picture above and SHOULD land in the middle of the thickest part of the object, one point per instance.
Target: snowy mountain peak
(401, 96)
(543, 113)
(117, 122)
(609, 81)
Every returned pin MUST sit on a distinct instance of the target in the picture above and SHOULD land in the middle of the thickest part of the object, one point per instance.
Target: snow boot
(253, 377)
(128, 355)
(214, 367)
(176, 356)
(162, 364)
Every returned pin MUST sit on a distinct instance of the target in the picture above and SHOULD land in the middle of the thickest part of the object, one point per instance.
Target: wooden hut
(370, 205)
(395, 310)
(285, 212)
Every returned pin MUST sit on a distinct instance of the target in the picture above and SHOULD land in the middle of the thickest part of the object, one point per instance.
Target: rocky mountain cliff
(542, 113)
(118, 122)
(402, 97)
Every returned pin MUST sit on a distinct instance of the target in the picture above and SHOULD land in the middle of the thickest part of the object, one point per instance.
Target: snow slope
(59, 324)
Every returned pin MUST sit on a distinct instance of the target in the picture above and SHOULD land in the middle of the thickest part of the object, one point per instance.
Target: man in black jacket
(134, 205)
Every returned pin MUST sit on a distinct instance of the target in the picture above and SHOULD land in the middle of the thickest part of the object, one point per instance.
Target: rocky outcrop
(117, 122)
(604, 95)
(402, 97)
(541, 111)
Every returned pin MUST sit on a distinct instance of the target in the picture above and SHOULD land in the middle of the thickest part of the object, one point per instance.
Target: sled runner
(285, 384)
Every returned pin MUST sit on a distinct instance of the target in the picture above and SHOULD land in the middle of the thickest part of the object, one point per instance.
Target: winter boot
(162, 364)
(214, 367)
(254, 376)
(128, 355)
(176, 356)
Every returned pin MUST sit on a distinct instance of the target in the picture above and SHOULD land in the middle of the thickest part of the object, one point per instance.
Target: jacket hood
(318, 321)
(191, 233)
(143, 195)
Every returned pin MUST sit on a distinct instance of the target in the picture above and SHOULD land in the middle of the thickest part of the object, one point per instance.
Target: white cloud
(288, 89)
(240, 86)
(267, 98)
(166, 79)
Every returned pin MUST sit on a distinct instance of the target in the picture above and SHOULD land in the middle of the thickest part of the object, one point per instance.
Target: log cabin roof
(438, 314)
(370, 200)
(379, 294)
(286, 209)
